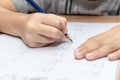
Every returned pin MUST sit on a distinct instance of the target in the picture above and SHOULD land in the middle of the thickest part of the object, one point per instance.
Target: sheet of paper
(55, 62)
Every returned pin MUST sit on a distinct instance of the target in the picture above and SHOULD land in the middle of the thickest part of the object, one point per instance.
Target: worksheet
(55, 62)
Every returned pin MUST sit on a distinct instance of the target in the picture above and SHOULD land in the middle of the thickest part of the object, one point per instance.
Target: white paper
(56, 62)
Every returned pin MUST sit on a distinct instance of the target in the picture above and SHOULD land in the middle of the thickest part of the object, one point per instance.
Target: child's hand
(35, 29)
(43, 29)
(105, 44)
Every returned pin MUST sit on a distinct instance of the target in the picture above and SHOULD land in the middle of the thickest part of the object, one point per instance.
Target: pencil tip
(71, 40)
(68, 37)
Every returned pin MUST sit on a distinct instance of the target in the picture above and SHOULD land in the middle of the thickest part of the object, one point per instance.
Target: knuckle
(30, 27)
(59, 22)
(55, 33)
(84, 49)
(88, 49)
(64, 19)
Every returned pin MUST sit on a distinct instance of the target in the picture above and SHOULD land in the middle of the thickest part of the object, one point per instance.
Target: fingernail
(90, 56)
(78, 54)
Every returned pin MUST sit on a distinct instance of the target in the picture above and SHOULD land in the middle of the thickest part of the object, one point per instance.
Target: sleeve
(50, 6)
(21, 6)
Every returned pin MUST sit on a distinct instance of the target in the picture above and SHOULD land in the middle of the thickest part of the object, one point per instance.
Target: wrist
(19, 24)
(14, 24)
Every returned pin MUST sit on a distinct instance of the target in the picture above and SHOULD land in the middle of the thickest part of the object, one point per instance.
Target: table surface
(74, 18)
(94, 19)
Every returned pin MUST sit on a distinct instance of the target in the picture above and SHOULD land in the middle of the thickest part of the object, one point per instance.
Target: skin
(101, 45)
(38, 30)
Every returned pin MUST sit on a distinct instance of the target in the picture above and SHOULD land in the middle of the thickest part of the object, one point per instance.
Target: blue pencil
(35, 6)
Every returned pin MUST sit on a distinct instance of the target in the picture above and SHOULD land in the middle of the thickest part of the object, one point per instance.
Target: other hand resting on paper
(101, 45)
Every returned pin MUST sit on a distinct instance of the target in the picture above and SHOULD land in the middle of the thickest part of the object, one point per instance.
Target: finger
(95, 41)
(44, 39)
(89, 46)
(101, 52)
(49, 31)
(114, 56)
(92, 44)
(64, 26)
(79, 54)
(55, 21)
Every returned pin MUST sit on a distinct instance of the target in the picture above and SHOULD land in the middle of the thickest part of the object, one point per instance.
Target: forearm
(8, 4)
(10, 21)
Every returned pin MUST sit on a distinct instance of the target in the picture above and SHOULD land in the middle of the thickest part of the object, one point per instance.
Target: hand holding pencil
(41, 29)
(39, 9)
